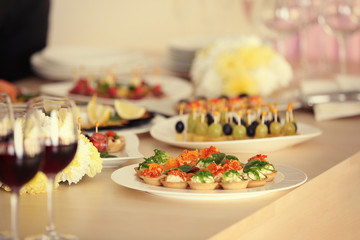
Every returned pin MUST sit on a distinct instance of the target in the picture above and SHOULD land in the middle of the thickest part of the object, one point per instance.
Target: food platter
(131, 151)
(174, 89)
(165, 132)
(286, 178)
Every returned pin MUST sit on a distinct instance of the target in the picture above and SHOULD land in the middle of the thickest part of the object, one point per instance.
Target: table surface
(98, 208)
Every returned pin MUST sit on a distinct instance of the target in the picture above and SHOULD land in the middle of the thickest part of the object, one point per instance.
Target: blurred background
(152, 26)
(318, 39)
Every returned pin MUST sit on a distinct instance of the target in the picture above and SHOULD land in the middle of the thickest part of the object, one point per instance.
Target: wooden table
(98, 208)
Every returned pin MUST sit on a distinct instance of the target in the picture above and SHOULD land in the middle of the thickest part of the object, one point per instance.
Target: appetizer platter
(245, 130)
(172, 88)
(207, 174)
(121, 115)
(115, 157)
(113, 147)
(164, 131)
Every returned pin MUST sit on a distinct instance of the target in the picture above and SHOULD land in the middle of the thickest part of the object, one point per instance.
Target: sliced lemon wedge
(128, 110)
(97, 112)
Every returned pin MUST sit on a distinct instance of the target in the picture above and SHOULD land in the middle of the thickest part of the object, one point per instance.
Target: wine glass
(60, 131)
(279, 19)
(21, 152)
(340, 18)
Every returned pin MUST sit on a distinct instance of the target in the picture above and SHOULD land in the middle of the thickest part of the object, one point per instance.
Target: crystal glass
(21, 152)
(279, 19)
(340, 18)
(59, 128)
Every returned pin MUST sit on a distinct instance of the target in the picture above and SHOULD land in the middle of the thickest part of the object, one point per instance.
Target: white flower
(234, 66)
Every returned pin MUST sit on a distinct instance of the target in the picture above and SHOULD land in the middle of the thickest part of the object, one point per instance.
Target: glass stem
(14, 202)
(342, 54)
(50, 228)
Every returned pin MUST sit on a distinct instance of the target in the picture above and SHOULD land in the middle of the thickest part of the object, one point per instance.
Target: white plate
(286, 178)
(58, 62)
(130, 152)
(136, 129)
(174, 88)
(165, 132)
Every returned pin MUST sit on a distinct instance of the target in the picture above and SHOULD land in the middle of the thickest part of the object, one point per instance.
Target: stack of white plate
(182, 53)
(61, 62)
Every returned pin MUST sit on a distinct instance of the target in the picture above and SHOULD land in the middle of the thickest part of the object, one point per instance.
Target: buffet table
(98, 208)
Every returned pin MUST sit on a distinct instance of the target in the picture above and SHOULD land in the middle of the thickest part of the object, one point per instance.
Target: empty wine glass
(279, 19)
(21, 152)
(340, 18)
(60, 131)
(309, 17)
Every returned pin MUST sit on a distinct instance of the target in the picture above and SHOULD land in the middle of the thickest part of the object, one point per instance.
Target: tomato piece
(110, 133)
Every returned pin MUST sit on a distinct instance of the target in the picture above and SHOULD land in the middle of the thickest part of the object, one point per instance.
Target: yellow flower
(233, 66)
(36, 185)
(255, 57)
(230, 65)
(87, 161)
(240, 84)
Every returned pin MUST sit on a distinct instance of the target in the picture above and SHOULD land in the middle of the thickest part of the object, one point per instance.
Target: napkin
(331, 99)
(333, 110)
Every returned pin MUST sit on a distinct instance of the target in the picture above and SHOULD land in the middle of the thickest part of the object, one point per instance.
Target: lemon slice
(128, 110)
(97, 112)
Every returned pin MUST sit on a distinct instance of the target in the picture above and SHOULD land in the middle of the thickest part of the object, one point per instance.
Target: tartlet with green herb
(232, 180)
(203, 180)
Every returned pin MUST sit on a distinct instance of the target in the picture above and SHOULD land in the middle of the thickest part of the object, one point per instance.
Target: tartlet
(231, 180)
(152, 180)
(175, 179)
(177, 185)
(271, 176)
(203, 180)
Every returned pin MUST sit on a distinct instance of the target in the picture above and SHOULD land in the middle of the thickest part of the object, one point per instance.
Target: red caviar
(154, 170)
(259, 157)
(232, 165)
(188, 157)
(215, 169)
(177, 172)
(206, 152)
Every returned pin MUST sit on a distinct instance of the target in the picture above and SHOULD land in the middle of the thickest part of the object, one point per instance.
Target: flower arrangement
(242, 65)
(87, 161)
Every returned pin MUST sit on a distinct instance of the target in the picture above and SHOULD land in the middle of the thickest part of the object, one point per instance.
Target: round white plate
(165, 132)
(130, 152)
(58, 62)
(286, 178)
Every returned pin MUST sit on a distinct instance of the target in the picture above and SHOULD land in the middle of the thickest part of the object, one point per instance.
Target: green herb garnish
(105, 154)
(202, 175)
(183, 168)
(160, 157)
(115, 118)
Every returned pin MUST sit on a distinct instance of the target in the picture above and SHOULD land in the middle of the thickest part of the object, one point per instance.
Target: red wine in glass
(58, 157)
(15, 170)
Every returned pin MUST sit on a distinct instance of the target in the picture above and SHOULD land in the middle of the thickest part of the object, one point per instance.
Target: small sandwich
(175, 178)
(203, 180)
(153, 174)
(232, 180)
